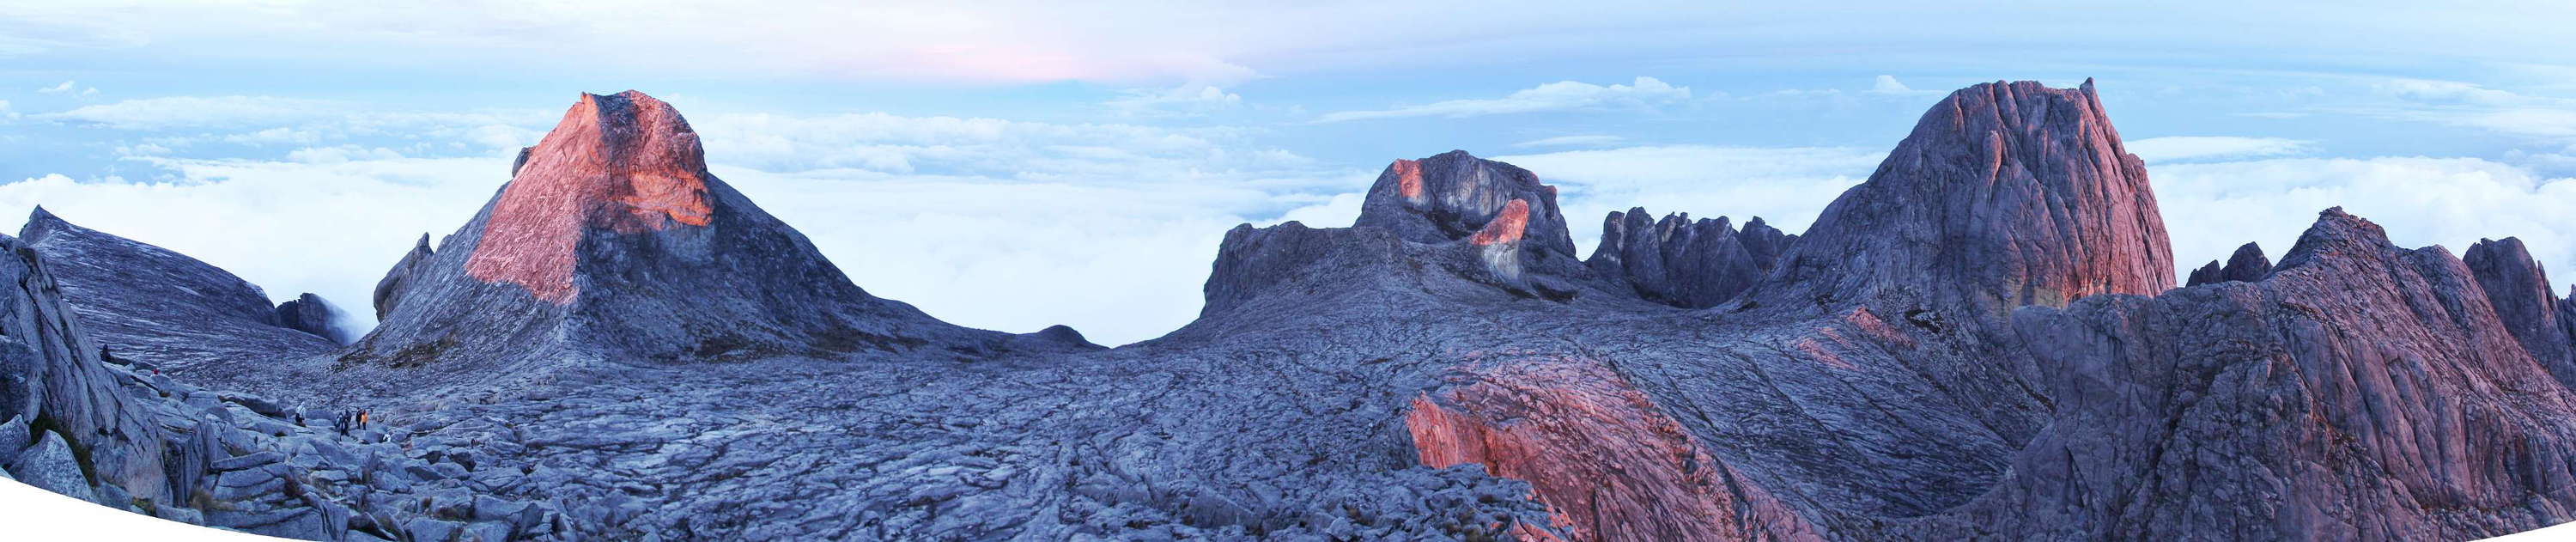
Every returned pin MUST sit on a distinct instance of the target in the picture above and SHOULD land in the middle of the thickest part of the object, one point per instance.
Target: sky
(1014, 165)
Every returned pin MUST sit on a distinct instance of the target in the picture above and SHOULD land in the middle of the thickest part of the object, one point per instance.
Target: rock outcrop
(1686, 263)
(2247, 265)
(2520, 291)
(2005, 195)
(2361, 391)
(613, 240)
(390, 288)
(149, 304)
(310, 314)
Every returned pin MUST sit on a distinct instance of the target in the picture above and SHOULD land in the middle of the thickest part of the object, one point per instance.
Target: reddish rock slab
(1506, 226)
(1606, 460)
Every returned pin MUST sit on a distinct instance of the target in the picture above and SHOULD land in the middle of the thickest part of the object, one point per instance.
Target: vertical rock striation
(2005, 194)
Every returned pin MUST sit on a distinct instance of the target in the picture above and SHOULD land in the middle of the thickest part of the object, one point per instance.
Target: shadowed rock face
(389, 289)
(310, 314)
(2006, 194)
(2520, 292)
(145, 303)
(613, 240)
(1685, 263)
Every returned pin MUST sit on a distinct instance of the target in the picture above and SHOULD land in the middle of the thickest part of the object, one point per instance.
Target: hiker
(362, 420)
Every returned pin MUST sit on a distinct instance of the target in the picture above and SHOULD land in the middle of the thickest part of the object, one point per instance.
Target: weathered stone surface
(310, 314)
(1685, 263)
(2005, 194)
(48, 464)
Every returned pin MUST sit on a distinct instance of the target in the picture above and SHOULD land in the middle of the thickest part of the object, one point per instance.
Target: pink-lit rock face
(626, 163)
(1408, 178)
(1507, 225)
(1609, 464)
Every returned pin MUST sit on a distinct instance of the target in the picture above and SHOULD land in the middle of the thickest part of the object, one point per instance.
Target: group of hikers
(350, 420)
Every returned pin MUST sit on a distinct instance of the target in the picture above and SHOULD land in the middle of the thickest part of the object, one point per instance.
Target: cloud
(2472, 106)
(1644, 93)
(2211, 208)
(2188, 148)
(68, 87)
(1574, 141)
(1184, 100)
(1887, 84)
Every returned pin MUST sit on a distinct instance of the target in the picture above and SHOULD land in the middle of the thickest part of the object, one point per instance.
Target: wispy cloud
(2188, 148)
(1573, 141)
(1185, 100)
(1644, 93)
(68, 87)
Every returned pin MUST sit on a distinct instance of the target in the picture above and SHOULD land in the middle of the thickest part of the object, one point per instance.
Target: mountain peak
(1453, 195)
(622, 162)
(2005, 194)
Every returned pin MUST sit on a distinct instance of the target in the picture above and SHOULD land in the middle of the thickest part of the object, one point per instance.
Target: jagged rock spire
(2005, 194)
(1682, 262)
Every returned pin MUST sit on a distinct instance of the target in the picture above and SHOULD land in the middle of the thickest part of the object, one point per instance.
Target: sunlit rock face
(624, 162)
(2005, 194)
(612, 239)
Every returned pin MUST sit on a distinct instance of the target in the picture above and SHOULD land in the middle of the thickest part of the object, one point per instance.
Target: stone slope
(612, 240)
(149, 304)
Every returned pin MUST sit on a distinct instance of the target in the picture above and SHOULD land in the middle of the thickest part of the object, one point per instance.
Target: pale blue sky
(1014, 165)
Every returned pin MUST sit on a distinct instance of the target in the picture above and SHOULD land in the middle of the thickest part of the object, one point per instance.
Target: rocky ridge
(1982, 341)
